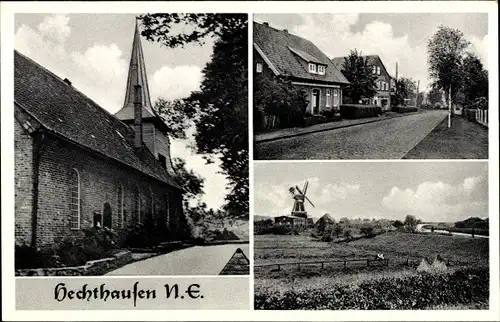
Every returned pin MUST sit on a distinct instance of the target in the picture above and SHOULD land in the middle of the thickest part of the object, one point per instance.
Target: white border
(7, 28)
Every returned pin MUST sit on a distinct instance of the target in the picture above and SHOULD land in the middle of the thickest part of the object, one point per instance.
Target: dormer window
(321, 69)
(374, 69)
(378, 70)
(312, 68)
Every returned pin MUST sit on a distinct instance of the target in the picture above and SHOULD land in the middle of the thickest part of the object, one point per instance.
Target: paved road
(198, 260)
(387, 139)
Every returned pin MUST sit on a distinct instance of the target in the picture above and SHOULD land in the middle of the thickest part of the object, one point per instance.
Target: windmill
(298, 200)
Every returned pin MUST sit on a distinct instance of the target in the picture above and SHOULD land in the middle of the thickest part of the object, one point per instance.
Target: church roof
(136, 75)
(66, 112)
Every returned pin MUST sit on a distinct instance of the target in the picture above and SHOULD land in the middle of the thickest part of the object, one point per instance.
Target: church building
(77, 166)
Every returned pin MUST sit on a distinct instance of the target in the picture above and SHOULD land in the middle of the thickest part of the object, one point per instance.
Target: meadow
(398, 247)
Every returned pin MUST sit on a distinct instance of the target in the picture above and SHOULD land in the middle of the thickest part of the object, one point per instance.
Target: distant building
(384, 81)
(291, 221)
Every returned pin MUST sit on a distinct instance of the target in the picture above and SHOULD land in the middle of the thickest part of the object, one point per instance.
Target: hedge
(420, 291)
(406, 109)
(469, 114)
(357, 111)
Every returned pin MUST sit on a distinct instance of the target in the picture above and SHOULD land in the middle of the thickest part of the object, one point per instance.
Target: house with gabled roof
(384, 80)
(78, 166)
(282, 54)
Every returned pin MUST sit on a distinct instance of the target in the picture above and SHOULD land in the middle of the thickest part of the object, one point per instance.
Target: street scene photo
(131, 149)
(371, 236)
(370, 86)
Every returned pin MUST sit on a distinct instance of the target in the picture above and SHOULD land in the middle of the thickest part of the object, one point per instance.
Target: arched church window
(75, 201)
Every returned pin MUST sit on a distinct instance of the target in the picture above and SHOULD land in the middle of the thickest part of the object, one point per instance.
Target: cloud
(175, 82)
(55, 27)
(433, 201)
(479, 46)
(274, 199)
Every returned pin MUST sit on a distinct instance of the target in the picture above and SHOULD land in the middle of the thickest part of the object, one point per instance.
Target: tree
(279, 99)
(219, 110)
(337, 229)
(398, 224)
(405, 89)
(435, 96)
(410, 222)
(420, 98)
(475, 79)
(367, 231)
(362, 81)
(446, 49)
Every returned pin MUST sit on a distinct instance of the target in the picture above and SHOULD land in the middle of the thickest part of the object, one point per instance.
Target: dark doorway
(106, 215)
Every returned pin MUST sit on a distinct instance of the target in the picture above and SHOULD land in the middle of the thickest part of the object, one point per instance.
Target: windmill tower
(299, 197)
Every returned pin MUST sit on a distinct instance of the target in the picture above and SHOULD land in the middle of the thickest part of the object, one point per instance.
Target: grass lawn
(464, 140)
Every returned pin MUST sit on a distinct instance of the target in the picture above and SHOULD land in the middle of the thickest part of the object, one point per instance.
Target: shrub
(30, 257)
(357, 111)
(469, 114)
(406, 109)
(412, 292)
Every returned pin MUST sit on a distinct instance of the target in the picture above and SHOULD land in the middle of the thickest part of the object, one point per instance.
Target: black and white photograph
(131, 147)
(370, 86)
(371, 236)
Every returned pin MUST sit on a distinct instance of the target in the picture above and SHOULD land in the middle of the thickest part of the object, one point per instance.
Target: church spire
(136, 76)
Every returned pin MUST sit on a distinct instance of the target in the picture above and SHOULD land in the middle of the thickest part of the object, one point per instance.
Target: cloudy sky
(400, 38)
(93, 52)
(432, 191)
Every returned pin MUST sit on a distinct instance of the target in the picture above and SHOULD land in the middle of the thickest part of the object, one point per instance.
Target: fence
(369, 262)
(482, 116)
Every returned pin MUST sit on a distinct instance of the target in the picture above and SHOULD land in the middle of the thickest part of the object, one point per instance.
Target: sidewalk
(296, 131)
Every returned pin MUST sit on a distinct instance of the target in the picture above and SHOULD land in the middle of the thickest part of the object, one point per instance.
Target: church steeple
(136, 76)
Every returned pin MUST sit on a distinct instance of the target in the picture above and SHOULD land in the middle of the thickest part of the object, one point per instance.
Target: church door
(106, 215)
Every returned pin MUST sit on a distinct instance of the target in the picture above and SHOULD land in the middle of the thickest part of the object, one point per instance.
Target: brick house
(280, 53)
(384, 81)
(78, 166)
(293, 222)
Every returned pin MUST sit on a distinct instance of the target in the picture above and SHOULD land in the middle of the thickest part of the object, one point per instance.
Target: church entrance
(106, 215)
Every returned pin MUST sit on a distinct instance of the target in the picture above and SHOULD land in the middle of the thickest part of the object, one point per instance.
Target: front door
(106, 215)
(315, 101)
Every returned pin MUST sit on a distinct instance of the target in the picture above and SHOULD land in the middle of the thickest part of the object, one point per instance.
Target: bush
(469, 114)
(30, 257)
(357, 111)
(414, 292)
(406, 109)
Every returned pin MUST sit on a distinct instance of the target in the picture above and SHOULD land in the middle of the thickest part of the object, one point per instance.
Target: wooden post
(322, 265)
(367, 263)
(299, 266)
(279, 268)
(407, 262)
(345, 263)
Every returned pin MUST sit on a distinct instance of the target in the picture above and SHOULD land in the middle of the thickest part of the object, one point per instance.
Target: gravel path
(388, 139)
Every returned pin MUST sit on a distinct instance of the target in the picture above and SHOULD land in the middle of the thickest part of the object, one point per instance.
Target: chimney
(265, 23)
(67, 81)
(285, 30)
(137, 116)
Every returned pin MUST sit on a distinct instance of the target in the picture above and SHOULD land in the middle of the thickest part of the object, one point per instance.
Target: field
(397, 247)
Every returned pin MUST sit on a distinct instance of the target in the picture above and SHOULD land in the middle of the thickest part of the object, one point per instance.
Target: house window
(107, 216)
(75, 201)
(163, 160)
(312, 68)
(258, 68)
(119, 197)
(378, 70)
(328, 98)
(321, 69)
(374, 69)
(378, 85)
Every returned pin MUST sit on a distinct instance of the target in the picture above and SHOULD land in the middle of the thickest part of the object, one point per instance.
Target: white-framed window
(312, 68)
(321, 69)
(75, 202)
(258, 68)
(378, 70)
(378, 85)
(328, 97)
(119, 201)
(374, 69)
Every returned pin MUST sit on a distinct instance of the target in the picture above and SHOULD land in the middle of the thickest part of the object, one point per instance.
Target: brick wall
(23, 158)
(99, 180)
